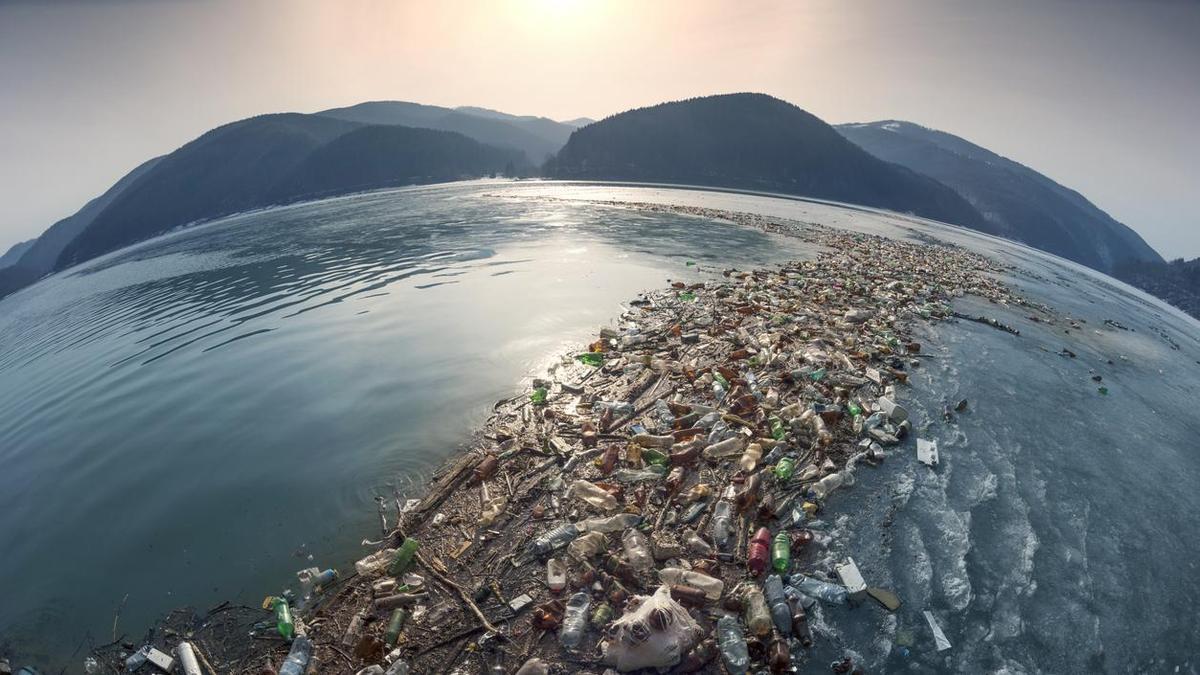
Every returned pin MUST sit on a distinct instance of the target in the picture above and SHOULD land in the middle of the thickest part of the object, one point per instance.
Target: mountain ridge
(1017, 201)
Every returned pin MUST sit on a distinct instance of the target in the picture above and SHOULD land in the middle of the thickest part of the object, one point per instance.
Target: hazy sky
(1103, 97)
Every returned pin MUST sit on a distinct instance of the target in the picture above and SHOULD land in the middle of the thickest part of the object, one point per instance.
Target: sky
(1103, 97)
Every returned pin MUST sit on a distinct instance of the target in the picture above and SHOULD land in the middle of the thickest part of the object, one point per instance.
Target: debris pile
(654, 501)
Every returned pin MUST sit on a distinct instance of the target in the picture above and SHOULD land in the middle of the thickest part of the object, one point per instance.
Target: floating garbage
(927, 452)
(652, 501)
(939, 637)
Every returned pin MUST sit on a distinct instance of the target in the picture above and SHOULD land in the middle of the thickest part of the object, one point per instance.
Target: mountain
(379, 156)
(14, 253)
(1017, 202)
(44, 253)
(579, 122)
(275, 159)
(537, 137)
(750, 141)
(1177, 282)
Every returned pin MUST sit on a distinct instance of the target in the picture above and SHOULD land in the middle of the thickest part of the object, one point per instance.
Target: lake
(193, 419)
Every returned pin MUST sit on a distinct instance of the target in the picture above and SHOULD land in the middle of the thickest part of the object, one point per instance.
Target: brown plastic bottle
(779, 658)
(800, 624)
(486, 467)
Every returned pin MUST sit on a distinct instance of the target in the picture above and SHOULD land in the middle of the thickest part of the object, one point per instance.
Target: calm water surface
(188, 421)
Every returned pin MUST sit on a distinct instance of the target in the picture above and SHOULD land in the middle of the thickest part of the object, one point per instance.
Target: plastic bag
(654, 632)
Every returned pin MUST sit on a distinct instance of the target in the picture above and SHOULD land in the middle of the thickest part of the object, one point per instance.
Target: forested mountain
(274, 159)
(537, 137)
(379, 156)
(42, 256)
(1016, 201)
(1177, 282)
(14, 252)
(750, 141)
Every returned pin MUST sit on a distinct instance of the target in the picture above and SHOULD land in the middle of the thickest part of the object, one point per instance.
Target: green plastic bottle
(283, 616)
(721, 379)
(781, 552)
(656, 457)
(404, 557)
(591, 359)
(785, 468)
(395, 626)
(854, 408)
(818, 374)
(538, 396)
(777, 429)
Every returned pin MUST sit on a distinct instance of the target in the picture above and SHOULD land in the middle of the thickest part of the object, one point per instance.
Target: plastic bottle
(637, 550)
(404, 557)
(697, 544)
(699, 657)
(373, 669)
(734, 652)
(187, 659)
(778, 431)
(823, 487)
(602, 614)
(821, 590)
(374, 563)
(556, 575)
(486, 467)
(800, 623)
(614, 523)
(781, 552)
(693, 512)
(785, 468)
(711, 586)
(594, 494)
(297, 659)
(722, 524)
(350, 638)
(655, 457)
(750, 457)
(730, 447)
(777, 602)
(586, 546)
(395, 625)
(283, 617)
(748, 495)
(652, 441)
(758, 617)
(534, 666)
(635, 476)
(757, 551)
(553, 539)
(779, 657)
(574, 621)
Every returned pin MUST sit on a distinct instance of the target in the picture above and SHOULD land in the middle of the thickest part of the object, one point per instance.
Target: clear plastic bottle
(730, 447)
(574, 621)
(534, 666)
(750, 457)
(594, 494)
(734, 652)
(297, 659)
(823, 487)
(637, 550)
(777, 602)
(615, 523)
(722, 524)
(821, 590)
(586, 546)
(711, 586)
(556, 575)
(554, 539)
(758, 617)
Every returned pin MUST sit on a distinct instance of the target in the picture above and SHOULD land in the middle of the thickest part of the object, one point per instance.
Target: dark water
(187, 421)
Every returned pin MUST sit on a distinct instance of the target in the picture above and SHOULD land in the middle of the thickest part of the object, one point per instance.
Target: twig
(117, 616)
(459, 590)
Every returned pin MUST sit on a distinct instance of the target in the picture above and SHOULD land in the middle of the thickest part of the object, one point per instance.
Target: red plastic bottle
(758, 553)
